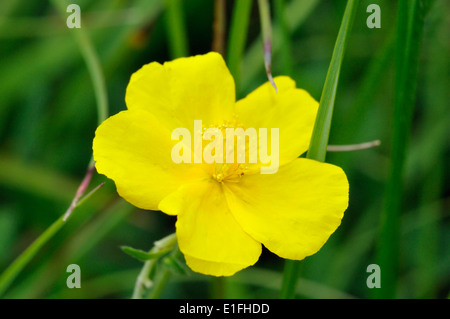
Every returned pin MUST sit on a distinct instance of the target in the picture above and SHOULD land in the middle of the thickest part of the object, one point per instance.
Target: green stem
(409, 32)
(143, 281)
(290, 277)
(238, 37)
(20, 262)
(176, 29)
(319, 140)
(160, 283)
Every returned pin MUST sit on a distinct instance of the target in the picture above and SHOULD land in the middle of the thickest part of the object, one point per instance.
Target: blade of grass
(238, 37)
(93, 65)
(266, 27)
(427, 252)
(176, 29)
(437, 67)
(56, 54)
(79, 242)
(19, 263)
(101, 95)
(98, 81)
(319, 140)
(296, 14)
(409, 32)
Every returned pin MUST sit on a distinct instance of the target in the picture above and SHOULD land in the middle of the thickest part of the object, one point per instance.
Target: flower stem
(160, 283)
(143, 281)
(319, 140)
(291, 273)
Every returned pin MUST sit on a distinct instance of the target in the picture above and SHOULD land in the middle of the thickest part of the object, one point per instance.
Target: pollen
(229, 172)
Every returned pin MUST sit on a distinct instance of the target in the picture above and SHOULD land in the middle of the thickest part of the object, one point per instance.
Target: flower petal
(291, 110)
(294, 211)
(207, 232)
(212, 268)
(183, 90)
(134, 149)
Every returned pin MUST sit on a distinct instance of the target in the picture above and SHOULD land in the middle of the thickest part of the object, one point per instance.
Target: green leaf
(319, 139)
(143, 255)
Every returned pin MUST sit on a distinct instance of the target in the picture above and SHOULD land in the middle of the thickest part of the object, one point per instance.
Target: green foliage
(143, 255)
(393, 86)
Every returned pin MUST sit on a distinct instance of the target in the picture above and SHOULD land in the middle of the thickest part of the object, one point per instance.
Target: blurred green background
(48, 118)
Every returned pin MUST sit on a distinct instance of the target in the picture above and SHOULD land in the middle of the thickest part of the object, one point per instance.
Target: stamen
(230, 172)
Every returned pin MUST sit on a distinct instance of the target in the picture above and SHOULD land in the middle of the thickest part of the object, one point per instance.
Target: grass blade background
(176, 29)
(409, 33)
(238, 37)
(319, 140)
(48, 116)
(17, 266)
(285, 35)
(296, 13)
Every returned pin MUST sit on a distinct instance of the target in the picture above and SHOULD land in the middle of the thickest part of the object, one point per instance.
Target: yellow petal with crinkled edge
(292, 212)
(208, 232)
(293, 111)
(183, 90)
(134, 149)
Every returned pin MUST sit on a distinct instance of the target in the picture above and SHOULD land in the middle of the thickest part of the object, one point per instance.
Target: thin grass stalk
(219, 26)
(266, 30)
(319, 140)
(409, 32)
(237, 38)
(176, 29)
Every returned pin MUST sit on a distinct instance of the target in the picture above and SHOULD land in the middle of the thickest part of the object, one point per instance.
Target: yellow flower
(224, 211)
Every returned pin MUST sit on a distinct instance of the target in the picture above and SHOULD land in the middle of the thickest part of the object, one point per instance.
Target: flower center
(231, 172)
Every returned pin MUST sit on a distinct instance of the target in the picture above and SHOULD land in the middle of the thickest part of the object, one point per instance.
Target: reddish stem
(80, 191)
